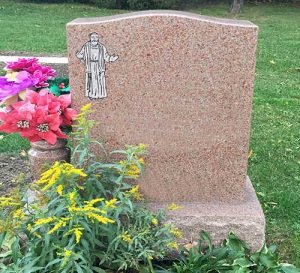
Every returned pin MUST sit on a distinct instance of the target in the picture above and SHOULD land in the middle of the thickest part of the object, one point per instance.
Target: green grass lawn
(275, 164)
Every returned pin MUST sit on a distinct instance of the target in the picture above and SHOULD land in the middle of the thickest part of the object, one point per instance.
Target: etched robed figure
(95, 56)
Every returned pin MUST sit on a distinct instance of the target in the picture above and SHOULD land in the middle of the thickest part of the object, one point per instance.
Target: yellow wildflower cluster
(72, 197)
(59, 189)
(176, 232)
(50, 177)
(67, 255)
(173, 245)
(134, 193)
(84, 111)
(77, 231)
(126, 237)
(174, 206)
(9, 202)
(29, 228)
(82, 120)
(92, 212)
(43, 221)
(137, 149)
(60, 223)
(19, 214)
(131, 170)
(154, 221)
(110, 203)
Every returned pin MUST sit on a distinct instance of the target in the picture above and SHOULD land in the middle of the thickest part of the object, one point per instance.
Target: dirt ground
(14, 171)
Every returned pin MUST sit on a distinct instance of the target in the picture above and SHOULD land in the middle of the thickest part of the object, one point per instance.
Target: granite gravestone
(182, 84)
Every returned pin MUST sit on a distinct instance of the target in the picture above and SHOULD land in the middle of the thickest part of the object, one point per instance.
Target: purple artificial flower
(9, 88)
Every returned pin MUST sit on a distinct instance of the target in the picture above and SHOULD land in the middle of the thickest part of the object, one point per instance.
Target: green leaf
(98, 269)
(236, 243)
(78, 268)
(15, 247)
(55, 261)
(206, 238)
(267, 260)
(243, 262)
(288, 268)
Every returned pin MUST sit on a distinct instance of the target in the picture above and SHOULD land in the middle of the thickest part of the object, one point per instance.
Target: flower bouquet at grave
(34, 103)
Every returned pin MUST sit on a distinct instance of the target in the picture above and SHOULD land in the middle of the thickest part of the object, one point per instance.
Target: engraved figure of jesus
(95, 56)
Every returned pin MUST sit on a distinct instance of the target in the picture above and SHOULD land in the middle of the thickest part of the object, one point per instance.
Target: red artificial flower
(39, 117)
(19, 119)
(46, 126)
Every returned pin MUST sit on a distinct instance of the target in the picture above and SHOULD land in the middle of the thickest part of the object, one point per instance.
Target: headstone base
(245, 219)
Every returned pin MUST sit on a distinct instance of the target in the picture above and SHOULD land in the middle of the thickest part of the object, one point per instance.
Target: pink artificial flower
(54, 104)
(67, 114)
(40, 74)
(21, 64)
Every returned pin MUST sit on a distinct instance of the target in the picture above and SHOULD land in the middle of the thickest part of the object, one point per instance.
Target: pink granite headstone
(182, 84)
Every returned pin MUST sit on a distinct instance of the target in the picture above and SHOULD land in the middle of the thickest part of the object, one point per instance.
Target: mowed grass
(274, 167)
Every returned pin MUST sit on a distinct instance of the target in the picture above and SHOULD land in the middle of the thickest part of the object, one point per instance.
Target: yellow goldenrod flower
(133, 171)
(141, 147)
(92, 202)
(126, 237)
(68, 253)
(9, 202)
(100, 218)
(173, 245)
(111, 203)
(61, 223)
(85, 108)
(51, 176)
(78, 233)
(44, 221)
(154, 221)
(19, 214)
(84, 209)
(176, 232)
(59, 189)
(134, 193)
(130, 169)
(29, 228)
(71, 197)
(173, 206)
(141, 161)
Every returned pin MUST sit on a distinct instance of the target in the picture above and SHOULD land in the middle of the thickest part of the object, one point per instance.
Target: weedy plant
(84, 217)
(232, 256)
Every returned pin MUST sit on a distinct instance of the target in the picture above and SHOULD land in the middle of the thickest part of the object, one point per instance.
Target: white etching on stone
(95, 57)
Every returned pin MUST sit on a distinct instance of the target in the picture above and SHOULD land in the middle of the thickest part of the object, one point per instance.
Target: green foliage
(152, 4)
(59, 86)
(124, 4)
(109, 4)
(84, 217)
(232, 256)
